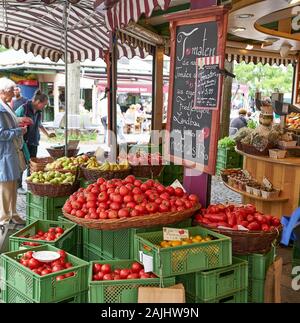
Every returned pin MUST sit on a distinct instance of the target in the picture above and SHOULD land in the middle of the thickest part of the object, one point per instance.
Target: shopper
(33, 109)
(103, 112)
(238, 122)
(18, 99)
(12, 162)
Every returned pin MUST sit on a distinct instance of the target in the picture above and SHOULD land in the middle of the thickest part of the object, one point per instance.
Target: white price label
(173, 234)
(176, 184)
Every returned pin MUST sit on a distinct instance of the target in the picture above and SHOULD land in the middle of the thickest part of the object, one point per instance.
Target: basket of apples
(129, 203)
(145, 165)
(250, 230)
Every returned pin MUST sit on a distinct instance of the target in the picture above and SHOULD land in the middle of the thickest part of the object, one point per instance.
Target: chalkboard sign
(207, 83)
(193, 131)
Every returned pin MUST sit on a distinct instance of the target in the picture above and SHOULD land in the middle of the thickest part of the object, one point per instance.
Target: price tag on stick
(173, 234)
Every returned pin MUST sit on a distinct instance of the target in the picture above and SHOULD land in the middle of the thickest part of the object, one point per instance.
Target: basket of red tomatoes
(250, 230)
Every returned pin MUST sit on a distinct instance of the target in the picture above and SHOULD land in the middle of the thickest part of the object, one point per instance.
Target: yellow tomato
(176, 243)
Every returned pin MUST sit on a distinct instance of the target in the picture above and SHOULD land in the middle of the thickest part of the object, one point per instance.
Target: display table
(284, 174)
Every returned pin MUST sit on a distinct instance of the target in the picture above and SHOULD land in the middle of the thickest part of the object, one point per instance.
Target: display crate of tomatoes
(118, 281)
(117, 244)
(44, 283)
(90, 254)
(211, 250)
(235, 297)
(211, 284)
(12, 296)
(61, 235)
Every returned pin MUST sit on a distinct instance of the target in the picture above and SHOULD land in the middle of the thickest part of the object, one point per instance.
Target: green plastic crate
(210, 284)
(188, 258)
(236, 297)
(118, 244)
(121, 291)
(256, 291)
(90, 254)
(259, 263)
(44, 289)
(12, 295)
(84, 183)
(67, 241)
(78, 249)
(47, 204)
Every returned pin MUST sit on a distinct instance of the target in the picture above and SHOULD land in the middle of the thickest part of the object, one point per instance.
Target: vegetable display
(226, 142)
(51, 235)
(232, 216)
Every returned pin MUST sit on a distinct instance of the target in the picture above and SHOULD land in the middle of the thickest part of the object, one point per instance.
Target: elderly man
(238, 122)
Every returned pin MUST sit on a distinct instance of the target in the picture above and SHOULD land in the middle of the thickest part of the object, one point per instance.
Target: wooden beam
(158, 84)
(285, 26)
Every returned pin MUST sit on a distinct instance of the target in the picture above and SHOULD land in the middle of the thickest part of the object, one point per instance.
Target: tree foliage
(264, 78)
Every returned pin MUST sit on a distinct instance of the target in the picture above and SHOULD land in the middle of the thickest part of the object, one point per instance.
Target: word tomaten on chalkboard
(207, 83)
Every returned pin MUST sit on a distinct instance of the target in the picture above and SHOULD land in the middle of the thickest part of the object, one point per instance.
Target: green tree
(264, 78)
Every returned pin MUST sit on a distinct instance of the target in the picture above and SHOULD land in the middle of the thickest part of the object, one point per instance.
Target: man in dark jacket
(238, 122)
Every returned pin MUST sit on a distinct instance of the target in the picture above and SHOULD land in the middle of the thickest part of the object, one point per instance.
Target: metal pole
(113, 93)
(66, 79)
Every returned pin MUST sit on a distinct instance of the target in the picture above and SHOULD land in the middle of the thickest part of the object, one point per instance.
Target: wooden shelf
(277, 199)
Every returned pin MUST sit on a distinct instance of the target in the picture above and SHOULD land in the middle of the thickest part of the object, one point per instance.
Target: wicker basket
(58, 153)
(93, 174)
(147, 171)
(146, 221)
(39, 164)
(248, 242)
(51, 190)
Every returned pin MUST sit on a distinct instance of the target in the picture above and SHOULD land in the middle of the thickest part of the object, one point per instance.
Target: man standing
(238, 122)
(18, 99)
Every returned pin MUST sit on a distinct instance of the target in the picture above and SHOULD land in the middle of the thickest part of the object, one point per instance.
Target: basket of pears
(67, 164)
(52, 183)
(93, 170)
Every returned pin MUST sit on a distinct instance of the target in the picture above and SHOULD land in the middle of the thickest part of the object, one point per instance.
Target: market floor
(221, 194)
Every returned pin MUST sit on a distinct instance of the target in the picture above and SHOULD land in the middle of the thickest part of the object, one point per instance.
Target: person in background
(103, 112)
(18, 99)
(33, 110)
(238, 122)
(120, 124)
(12, 162)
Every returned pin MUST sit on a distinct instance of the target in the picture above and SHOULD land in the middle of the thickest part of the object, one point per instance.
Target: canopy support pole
(66, 76)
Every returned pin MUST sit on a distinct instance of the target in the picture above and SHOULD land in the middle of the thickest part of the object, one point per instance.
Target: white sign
(173, 234)
(267, 183)
(176, 184)
(147, 262)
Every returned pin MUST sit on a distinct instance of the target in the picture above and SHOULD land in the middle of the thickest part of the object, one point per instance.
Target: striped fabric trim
(124, 11)
(37, 26)
(260, 59)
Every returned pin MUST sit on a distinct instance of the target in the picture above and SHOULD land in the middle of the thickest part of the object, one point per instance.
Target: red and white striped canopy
(38, 26)
(122, 12)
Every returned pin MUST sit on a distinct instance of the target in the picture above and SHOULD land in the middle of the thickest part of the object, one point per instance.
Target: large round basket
(147, 171)
(58, 153)
(93, 174)
(248, 242)
(39, 164)
(145, 221)
(64, 171)
(51, 190)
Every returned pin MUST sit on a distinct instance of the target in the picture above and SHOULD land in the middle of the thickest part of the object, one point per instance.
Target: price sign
(172, 234)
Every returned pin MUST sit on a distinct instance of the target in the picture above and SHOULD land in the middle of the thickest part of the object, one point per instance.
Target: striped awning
(124, 11)
(256, 57)
(38, 26)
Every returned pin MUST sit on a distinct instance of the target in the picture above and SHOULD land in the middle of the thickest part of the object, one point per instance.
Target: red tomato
(131, 205)
(28, 254)
(40, 233)
(100, 181)
(127, 198)
(193, 198)
(124, 190)
(136, 267)
(45, 272)
(179, 191)
(112, 214)
(51, 230)
(61, 277)
(68, 265)
(96, 268)
(100, 275)
(141, 209)
(57, 268)
(158, 201)
(129, 186)
(160, 189)
(80, 214)
(170, 190)
(133, 276)
(188, 204)
(103, 196)
(124, 273)
(117, 277)
(137, 183)
(33, 263)
(69, 274)
(153, 197)
(134, 213)
(150, 182)
(111, 190)
(115, 206)
(180, 208)
(253, 226)
(265, 227)
(163, 208)
(106, 269)
(137, 191)
(123, 213)
(138, 198)
(117, 271)
(250, 218)
(91, 197)
(108, 277)
(59, 230)
(94, 216)
(165, 196)
(103, 205)
(103, 215)
(62, 254)
(130, 179)
(116, 198)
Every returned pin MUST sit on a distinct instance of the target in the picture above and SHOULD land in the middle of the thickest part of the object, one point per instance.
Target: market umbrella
(59, 29)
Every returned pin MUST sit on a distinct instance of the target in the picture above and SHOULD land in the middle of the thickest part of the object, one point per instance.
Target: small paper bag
(273, 282)
(172, 294)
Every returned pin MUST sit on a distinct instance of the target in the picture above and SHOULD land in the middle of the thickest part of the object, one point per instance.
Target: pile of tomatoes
(130, 197)
(51, 235)
(105, 272)
(231, 216)
(43, 269)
